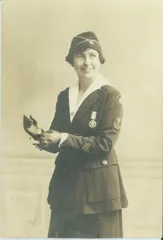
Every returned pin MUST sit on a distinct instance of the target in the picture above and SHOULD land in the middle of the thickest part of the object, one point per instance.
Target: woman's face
(87, 64)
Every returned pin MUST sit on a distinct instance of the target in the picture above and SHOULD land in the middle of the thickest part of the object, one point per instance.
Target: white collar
(74, 90)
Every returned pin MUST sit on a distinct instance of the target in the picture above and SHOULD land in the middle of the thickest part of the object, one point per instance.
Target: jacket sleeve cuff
(64, 136)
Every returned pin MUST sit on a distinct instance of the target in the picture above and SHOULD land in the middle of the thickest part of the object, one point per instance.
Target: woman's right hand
(48, 141)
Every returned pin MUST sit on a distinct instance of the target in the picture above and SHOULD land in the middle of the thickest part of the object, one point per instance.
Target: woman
(86, 192)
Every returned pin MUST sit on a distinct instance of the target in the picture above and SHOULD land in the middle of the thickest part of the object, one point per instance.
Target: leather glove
(31, 127)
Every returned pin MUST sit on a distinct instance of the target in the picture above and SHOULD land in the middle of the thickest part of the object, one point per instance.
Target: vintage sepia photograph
(81, 119)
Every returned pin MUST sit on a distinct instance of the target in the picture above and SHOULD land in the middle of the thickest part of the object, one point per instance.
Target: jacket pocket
(102, 184)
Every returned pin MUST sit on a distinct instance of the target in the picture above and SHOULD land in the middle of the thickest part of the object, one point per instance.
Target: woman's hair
(81, 42)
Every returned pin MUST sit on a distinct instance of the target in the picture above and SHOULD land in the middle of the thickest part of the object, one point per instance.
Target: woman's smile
(86, 69)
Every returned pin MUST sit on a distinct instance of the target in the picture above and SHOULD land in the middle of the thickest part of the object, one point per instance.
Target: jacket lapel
(86, 105)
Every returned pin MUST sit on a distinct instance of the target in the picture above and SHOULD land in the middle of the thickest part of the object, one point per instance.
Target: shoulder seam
(110, 89)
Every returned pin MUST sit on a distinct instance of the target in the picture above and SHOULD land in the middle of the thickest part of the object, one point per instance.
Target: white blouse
(74, 91)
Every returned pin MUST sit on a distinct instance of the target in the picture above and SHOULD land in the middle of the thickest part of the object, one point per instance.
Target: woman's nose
(87, 60)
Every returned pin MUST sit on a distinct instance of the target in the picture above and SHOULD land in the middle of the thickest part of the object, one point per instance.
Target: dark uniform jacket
(87, 177)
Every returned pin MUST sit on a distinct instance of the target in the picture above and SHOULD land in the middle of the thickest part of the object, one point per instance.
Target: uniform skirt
(108, 225)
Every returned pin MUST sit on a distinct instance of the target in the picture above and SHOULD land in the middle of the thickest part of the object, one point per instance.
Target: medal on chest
(93, 118)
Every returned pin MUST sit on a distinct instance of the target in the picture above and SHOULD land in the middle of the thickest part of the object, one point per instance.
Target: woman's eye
(93, 56)
(78, 56)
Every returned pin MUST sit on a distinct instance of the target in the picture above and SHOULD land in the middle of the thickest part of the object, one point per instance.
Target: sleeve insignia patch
(85, 147)
(119, 101)
(117, 123)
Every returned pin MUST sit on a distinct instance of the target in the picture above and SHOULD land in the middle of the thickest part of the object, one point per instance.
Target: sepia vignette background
(36, 36)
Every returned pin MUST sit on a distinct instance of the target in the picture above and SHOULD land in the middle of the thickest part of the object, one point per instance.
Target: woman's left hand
(48, 139)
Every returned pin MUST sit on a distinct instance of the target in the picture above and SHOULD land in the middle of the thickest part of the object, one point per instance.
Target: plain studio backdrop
(36, 35)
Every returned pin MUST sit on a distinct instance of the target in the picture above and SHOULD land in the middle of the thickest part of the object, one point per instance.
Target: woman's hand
(48, 141)
(31, 127)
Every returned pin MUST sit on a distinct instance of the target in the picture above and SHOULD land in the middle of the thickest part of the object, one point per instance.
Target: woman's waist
(85, 161)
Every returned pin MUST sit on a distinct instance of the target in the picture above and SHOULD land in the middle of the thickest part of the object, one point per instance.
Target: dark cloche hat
(83, 41)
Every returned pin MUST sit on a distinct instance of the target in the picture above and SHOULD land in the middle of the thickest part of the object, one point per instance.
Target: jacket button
(104, 162)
